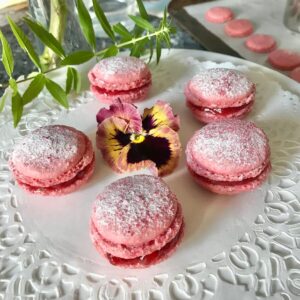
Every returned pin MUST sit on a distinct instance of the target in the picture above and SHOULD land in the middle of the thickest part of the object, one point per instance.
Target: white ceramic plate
(240, 247)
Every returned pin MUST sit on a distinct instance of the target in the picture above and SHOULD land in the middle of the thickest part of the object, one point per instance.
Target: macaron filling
(119, 92)
(149, 259)
(230, 183)
(225, 111)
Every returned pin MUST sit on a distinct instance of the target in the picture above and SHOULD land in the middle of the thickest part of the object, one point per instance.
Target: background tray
(196, 29)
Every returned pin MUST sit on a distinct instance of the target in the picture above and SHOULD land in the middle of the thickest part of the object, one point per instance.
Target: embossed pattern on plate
(259, 258)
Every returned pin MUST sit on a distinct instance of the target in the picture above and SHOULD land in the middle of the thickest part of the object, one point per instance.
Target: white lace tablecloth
(238, 248)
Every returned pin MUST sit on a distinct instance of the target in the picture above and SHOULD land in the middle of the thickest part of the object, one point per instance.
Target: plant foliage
(143, 37)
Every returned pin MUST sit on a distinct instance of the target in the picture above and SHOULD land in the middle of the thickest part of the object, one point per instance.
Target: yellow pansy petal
(160, 114)
(112, 139)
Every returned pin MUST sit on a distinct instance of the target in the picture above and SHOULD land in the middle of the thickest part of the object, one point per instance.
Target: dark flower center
(156, 149)
(122, 138)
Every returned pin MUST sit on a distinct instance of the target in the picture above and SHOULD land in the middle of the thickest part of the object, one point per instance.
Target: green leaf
(76, 80)
(158, 50)
(16, 108)
(57, 92)
(3, 101)
(122, 31)
(24, 42)
(77, 58)
(111, 51)
(142, 23)
(172, 29)
(86, 23)
(47, 38)
(137, 31)
(34, 88)
(103, 20)
(164, 20)
(69, 80)
(167, 40)
(7, 57)
(137, 49)
(151, 49)
(13, 85)
(142, 9)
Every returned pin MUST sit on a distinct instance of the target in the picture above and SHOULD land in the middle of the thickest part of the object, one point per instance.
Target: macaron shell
(238, 28)
(120, 73)
(134, 210)
(63, 188)
(61, 171)
(208, 117)
(128, 96)
(229, 150)
(219, 14)
(219, 88)
(261, 43)
(130, 252)
(225, 189)
(283, 59)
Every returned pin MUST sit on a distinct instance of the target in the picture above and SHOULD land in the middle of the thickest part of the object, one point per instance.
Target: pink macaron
(295, 74)
(229, 157)
(120, 78)
(136, 222)
(284, 59)
(53, 160)
(218, 94)
(219, 14)
(238, 28)
(260, 43)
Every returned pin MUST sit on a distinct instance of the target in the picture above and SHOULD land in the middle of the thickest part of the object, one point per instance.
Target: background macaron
(125, 78)
(284, 59)
(136, 222)
(53, 160)
(219, 14)
(260, 43)
(238, 28)
(229, 157)
(295, 74)
(219, 93)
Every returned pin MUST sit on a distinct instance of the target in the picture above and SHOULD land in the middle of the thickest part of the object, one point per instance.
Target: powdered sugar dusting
(218, 83)
(121, 65)
(47, 145)
(231, 143)
(134, 206)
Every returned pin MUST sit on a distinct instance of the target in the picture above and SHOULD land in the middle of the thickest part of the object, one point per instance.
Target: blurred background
(116, 11)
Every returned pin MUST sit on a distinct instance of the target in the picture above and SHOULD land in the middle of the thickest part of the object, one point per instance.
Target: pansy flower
(129, 141)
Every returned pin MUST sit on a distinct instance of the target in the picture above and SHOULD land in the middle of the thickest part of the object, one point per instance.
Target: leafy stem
(30, 77)
(143, 37)
(148, 36)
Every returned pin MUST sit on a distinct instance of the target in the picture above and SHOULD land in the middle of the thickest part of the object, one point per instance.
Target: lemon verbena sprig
(144, 37)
